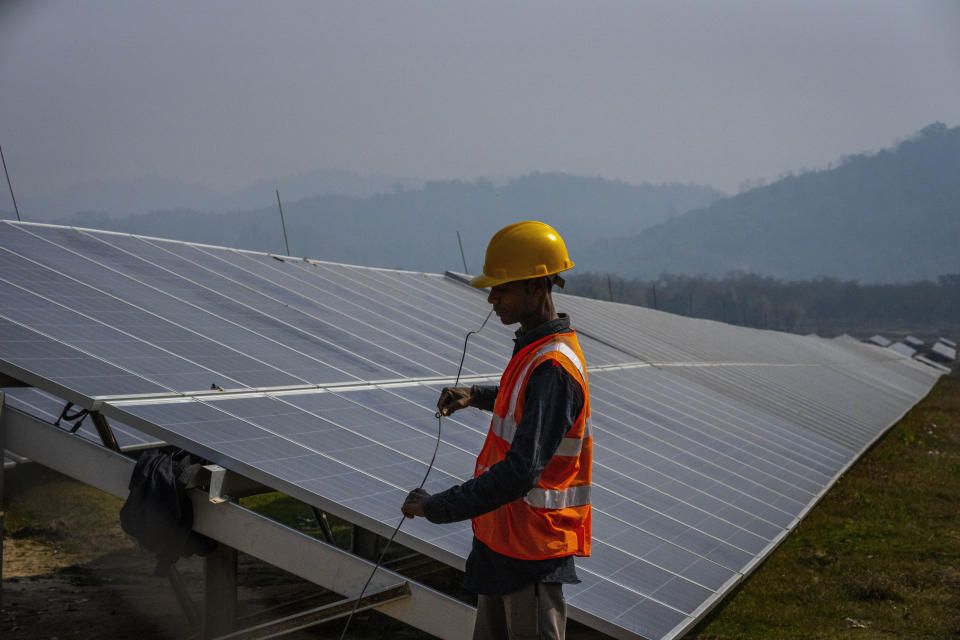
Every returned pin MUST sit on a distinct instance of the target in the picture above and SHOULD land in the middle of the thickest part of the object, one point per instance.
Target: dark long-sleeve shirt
(553, 401)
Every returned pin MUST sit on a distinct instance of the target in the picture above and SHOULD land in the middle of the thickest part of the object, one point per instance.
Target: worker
(529, 498)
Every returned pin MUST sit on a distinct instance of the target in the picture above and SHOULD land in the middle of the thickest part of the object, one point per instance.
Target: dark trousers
(534, 612)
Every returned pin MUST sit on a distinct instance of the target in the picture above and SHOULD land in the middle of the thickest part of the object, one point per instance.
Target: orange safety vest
(553, 519)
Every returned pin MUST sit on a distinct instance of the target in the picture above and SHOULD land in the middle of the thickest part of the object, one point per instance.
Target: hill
(416, 228)
(891, 216)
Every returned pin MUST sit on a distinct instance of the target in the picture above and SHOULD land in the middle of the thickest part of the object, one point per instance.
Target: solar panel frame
(48, 407)
(730, 451)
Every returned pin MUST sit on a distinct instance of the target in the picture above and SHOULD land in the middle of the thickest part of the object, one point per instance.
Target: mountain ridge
(416, 228)
(888, 216)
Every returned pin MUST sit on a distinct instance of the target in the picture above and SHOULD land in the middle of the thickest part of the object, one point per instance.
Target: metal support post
(183, 596)
(103, 428)
(326, 531)
(220, 592)
(3, 430)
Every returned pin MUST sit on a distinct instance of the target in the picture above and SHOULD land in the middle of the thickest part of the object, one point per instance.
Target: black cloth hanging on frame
(158, 512)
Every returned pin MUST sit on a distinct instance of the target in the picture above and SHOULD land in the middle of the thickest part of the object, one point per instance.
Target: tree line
(826, 306)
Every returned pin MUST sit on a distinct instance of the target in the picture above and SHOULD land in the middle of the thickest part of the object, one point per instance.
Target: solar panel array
(320, 380)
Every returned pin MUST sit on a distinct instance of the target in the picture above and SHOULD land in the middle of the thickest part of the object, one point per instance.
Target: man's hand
(413, 505)
(453, 399)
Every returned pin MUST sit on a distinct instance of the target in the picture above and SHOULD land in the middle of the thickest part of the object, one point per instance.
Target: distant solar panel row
(711, 441)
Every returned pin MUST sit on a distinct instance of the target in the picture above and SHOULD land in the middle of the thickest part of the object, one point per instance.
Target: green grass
(879, 556)
(298, 515)
(295, 514)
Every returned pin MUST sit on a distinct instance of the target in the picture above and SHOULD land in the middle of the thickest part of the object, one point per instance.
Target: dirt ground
(70, 572)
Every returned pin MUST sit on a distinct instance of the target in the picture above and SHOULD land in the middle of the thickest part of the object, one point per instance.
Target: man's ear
(536, 285)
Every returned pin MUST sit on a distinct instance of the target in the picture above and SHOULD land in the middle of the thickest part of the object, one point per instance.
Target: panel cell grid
(321, 380)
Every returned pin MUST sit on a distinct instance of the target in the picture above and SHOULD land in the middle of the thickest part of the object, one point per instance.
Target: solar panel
(38, 357)
(711, 441)
(879, 340)
(903, 349)
(913, 341)
(946, 353)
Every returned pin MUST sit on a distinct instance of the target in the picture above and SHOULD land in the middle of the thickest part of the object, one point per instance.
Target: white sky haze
(222, 93)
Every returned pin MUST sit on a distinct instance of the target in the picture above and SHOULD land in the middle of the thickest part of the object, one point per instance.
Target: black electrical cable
(436, 448)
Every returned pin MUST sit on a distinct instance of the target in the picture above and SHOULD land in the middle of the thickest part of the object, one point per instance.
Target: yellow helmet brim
(521, 251)
(483, 281)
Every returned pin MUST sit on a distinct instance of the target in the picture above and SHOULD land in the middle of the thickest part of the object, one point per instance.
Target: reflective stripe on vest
(506, 428)
(553, 346)
(558, 498)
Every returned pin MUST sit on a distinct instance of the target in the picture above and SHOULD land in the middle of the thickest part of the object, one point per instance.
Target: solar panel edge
(772, 546)
(277, 256)
(604, 626)
(35, 380)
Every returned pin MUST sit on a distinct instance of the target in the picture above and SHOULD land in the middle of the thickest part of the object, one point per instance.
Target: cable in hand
(439, 416)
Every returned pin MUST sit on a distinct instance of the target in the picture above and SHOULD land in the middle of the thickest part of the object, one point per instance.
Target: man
(529, 499)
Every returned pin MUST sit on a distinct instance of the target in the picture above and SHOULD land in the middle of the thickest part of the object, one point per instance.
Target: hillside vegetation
(891, 216)
(826, 306)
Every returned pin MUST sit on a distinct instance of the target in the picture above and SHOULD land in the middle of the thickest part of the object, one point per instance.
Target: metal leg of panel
(183, 596)
(326, 531)
(103, 428)
(313, 617)
(3, 430)
(220, 592)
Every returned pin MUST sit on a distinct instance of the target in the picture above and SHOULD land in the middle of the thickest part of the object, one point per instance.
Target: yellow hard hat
(521, 251)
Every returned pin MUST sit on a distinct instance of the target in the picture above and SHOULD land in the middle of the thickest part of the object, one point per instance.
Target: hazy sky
(225, 92)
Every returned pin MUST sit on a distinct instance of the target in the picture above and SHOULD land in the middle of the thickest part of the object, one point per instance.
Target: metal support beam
(220, 592)
(313, 617)
(287, 549)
